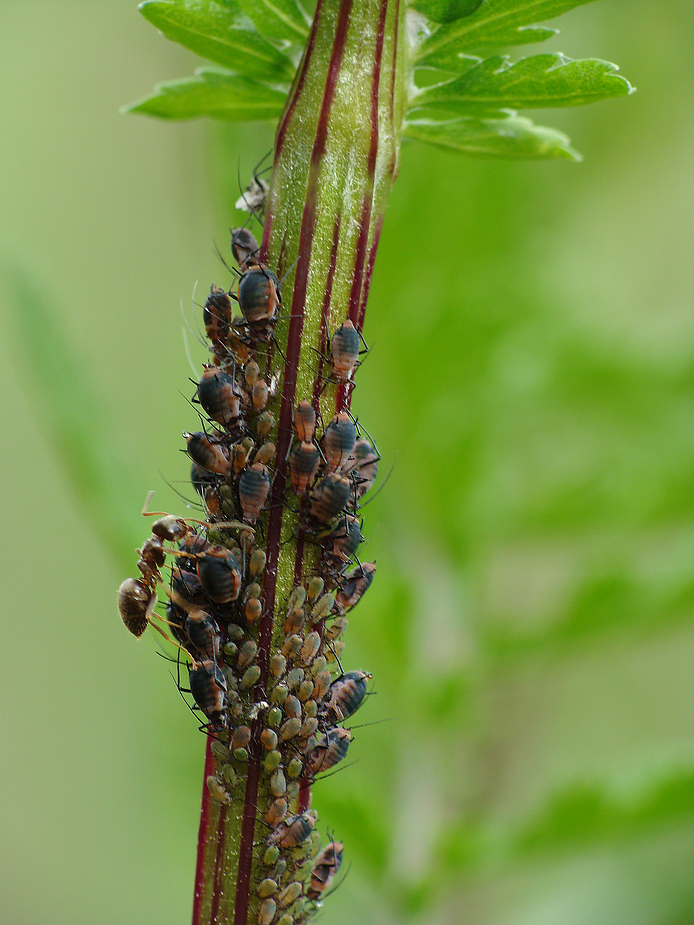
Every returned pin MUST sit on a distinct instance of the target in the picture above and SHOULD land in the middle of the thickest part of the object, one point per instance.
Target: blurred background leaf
(530, 629)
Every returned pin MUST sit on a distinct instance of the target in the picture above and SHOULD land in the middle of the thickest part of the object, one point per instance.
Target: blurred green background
(531, 376)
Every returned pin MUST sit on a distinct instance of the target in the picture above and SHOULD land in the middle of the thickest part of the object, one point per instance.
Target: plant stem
(336, 158)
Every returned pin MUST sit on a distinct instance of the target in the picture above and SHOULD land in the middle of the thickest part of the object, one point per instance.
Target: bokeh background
(530, 382)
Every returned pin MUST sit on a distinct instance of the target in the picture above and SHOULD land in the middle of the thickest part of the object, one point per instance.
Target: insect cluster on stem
(280, 706)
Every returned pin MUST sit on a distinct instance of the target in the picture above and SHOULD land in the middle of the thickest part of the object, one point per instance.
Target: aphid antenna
(232, 270)
(198, 335)
(327, 774)
(337, 657)
(289, 271)
(189, 503)
(376, 722)
(382, 485)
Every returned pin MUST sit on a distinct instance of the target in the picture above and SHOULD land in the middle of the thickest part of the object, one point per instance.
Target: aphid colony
(281, 708)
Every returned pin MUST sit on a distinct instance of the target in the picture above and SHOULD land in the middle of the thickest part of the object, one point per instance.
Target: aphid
(273, 760)
(354, 586)
(136, 604)
(217, 317)
(309, 648)
(254, 486)
(325, 866)
(221, 398)
(247, 653)
(176, 619)
(208, 687)
(259, 299)
(321, 684)
(315, 587)
(205, 453)
(278, 665)
(152, 557)
(253, 609)
(363, 468)
(330, 751)
(295, 830)
(250, 676)
(345, 539)
(292, 706)
(264, 424)
(344, 352)
(243, 242)
(186, 590)
(265, 453)
(266, 912)
(192, 544)
(220, 574)
(294, 678)
(308, 727)
(305, 421)
(303, 466)
(294, 620)
(346, 695)
(240, 737)
(267, 887)
(217, 791)
(257, 562)
(279, 693)
(260, 394)
(291, 645)
(277, 812)
(326, 501)
(201, 479)
(323, 606)
(294, 768)
(268, 739)
(278, 783)
(290, 894)
(203, 633)
(290, 728)
(336, 629)
(338, 440)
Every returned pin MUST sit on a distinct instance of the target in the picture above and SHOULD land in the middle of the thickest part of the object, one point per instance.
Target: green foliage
(532, 83)
(468, 105)
(215, 94)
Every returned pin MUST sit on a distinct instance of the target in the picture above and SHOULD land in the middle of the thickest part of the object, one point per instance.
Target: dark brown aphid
(259, 299)
(305, 421)
(327, 501)
(338, 440)
(176, 619)
(220, 574)
(346, 695)
(345, 540)
(203, 633)
(205, 453)
(325, 867)
(303, 466)
(186, 590)
(221, 399)
(363, 468)
(201, 479)
(254, 486)
(136, 602)
(243, 243)
(329, 751)
(192, 545)
(217, 318)
(294, 831)
(344, 352)
(354, 586)
(209, 687)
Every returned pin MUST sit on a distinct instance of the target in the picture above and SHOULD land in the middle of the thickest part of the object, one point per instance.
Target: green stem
(336, 158)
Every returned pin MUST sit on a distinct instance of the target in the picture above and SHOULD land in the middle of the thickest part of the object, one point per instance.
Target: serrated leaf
(283, 20)
(496, 22)
(213, 94)
(218, 32)
(446, 10)
(505, 136)
(536, 82)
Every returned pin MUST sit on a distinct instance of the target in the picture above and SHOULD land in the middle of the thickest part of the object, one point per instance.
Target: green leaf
(532, 83)
(219, 32)
(505, 136)
(283, 20)
(446, 10)
(214, 94)
(496, 22)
